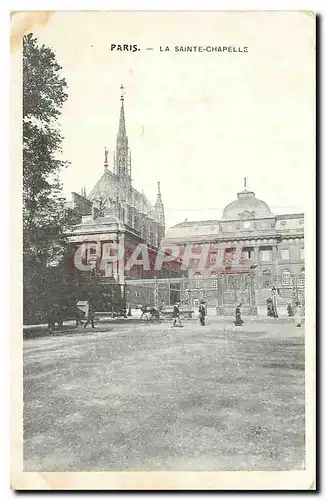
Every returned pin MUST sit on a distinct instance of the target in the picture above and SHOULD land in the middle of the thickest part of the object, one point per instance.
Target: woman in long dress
(298, 315)
(238, 320)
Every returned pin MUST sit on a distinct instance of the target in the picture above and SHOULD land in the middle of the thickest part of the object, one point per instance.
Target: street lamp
(274, 299)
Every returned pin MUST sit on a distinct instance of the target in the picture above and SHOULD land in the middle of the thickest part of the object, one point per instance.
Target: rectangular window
(197, 283)
(265, 255)
(301, 253)
(247, 254)
(108, 269)
(214, 283)
(285, 254)
(247, 224)
(212, 258)
(228, 256)
(286, 277)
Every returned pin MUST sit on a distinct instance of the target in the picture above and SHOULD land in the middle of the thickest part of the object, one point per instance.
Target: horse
(149, 313)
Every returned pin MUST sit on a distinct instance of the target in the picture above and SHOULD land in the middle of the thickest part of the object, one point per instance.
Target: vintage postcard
(164, 298)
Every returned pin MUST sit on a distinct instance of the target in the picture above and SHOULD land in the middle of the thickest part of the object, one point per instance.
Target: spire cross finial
(122, 88)
(159, 187)
(245, 182)
(106, 158)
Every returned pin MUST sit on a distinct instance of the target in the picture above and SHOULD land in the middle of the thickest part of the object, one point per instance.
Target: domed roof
(245, 207)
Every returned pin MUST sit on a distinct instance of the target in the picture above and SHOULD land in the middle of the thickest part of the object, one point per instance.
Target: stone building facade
(114, 211)
(114, 193)
(247, 237)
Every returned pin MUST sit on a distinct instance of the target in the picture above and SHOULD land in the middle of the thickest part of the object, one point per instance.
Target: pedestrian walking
(51, 318)
(290, 309)
(90, 315)
(79, 316)
(270, 310)
(202, 313)
(238, 319)
(176, 315)
(298, 315)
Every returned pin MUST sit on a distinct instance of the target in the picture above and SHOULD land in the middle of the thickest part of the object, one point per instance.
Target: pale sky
(197, 122)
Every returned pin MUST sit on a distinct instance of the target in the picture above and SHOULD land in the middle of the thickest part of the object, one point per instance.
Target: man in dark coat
(79, 316)
(270, 309)
(202, 313)
(176, 315)
(90, 315)
(290, 309)
(238, 319)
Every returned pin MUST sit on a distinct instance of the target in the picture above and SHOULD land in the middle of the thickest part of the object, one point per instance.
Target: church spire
(122, 136)
(123, 168)
(159, 196)
(106, 164)
(159, 207)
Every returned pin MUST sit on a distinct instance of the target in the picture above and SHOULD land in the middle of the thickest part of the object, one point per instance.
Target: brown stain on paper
(22, 23)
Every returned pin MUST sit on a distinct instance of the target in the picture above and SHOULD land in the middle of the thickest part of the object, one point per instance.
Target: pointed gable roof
(106, 187)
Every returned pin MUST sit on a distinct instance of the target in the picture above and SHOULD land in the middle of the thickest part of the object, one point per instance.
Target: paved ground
(143, 397)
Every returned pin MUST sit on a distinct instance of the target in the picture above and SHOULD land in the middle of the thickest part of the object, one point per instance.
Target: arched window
(302, 277)
(267, 278)
(286, 277)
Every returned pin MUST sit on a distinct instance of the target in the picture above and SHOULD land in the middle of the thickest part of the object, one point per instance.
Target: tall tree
(44, 210)
(45, 216)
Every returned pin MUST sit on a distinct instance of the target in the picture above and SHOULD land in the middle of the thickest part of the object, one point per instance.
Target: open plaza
(133, 395)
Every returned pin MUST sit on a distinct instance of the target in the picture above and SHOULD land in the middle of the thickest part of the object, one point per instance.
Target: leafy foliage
(45, 215)
(49, 279)
(43, 89)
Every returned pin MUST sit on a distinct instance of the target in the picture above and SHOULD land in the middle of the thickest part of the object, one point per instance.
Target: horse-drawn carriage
(61, 311)
(151, 313)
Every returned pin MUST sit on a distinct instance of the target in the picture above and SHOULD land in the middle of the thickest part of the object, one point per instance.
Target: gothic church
(114, 195)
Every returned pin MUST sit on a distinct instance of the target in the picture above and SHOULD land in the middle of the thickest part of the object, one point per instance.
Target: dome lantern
(247, 206)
